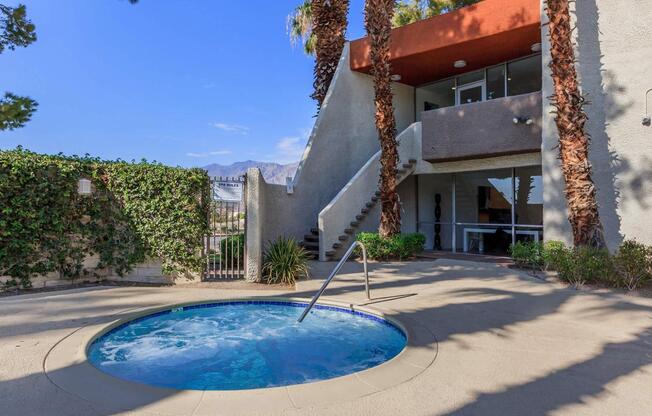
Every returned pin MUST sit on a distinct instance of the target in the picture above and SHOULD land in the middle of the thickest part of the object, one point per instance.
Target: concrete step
(413, 161)
(369, 204)
(343, 237)
(337, 245)
(354, 223)
(359, 217)
(311, 245)
(314, 231)
(365, 210)
(378, 193)
(407, 165)
(349, 230)
(311, 237)
(375, 198)
(330, 253)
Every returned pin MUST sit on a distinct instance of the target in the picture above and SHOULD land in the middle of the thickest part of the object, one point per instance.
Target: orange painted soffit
(484, 34)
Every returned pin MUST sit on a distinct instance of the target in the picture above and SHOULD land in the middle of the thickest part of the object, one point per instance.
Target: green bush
(589, 265)
(136, 210)
(578, 265)
(233, 246)
(528, 254)
(633, 264)
(553, 253)
(285, 261)
(398, 247)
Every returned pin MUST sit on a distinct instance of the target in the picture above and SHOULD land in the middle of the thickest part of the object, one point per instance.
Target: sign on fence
(228, 191)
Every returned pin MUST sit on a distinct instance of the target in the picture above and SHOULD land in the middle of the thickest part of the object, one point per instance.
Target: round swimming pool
(245, 345)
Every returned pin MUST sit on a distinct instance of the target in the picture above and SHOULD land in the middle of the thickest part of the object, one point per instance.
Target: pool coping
(66, 365)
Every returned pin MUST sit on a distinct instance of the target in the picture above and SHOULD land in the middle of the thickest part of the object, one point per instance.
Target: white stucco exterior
(614, 58)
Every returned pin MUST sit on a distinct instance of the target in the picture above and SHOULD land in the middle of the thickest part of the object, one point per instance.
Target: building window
(438, 95)
(524, 75)
(495, 82)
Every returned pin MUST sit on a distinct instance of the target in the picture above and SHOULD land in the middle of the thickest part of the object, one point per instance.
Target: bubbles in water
(245, 345)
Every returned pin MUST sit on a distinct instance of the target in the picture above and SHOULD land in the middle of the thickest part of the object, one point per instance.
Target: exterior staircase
(340, 221)
(311, 243)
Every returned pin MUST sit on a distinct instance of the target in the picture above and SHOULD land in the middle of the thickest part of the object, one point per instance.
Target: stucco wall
(342, 141)
(614, 62)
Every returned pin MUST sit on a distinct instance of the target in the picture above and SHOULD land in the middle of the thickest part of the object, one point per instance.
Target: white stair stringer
(354, 201)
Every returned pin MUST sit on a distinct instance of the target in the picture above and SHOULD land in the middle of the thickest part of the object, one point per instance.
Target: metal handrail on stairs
(335, 271)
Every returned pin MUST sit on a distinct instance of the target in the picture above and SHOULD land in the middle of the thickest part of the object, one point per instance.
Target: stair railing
(337, 268)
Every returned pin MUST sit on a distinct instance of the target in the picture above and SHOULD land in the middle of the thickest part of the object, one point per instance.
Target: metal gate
(225, 245)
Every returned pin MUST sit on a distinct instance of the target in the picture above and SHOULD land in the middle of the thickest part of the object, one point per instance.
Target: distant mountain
(272, 172)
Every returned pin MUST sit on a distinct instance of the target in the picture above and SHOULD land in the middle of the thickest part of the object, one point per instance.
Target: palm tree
(378, 23)
(299, 27)
(573, 139)
(329, 28)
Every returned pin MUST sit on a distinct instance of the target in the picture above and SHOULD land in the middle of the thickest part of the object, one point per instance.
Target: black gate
(225, 245)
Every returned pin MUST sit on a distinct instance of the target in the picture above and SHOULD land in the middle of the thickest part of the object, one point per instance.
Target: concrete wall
(342, 209)
(149, 271)
(343, 139)
(614, 54)
(482, 129)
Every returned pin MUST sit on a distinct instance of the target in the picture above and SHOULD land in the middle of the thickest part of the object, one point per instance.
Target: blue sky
(183, 82)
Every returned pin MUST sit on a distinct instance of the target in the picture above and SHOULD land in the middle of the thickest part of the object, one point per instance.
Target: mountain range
(272, 172)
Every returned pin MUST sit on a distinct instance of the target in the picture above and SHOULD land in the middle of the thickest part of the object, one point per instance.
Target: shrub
(136, 210)
(552, 254)
(398, 247)
(233, 246)
(580, 265)
(527, 254)
(285, 261)
(633, 264)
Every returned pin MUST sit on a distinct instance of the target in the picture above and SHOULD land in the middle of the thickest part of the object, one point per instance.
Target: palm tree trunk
(329, 27)
(378, 23)
(573, 140)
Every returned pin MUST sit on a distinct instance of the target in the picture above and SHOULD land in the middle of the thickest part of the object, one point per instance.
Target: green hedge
(629, 267)
(398, 247)
(136, 210)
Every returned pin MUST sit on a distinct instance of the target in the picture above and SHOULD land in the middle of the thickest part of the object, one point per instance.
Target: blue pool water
(245, 345)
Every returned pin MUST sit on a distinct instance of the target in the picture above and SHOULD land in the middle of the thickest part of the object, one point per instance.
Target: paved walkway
(507, 344)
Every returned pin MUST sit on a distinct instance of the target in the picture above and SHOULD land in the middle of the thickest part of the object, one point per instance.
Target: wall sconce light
(84, 187)
(523, 120)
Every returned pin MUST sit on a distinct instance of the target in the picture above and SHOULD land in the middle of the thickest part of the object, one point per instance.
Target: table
(534, 233)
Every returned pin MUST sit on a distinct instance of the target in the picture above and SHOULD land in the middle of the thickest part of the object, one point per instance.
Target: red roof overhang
(484, 34)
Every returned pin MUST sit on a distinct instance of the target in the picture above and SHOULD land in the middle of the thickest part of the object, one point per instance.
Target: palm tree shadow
(568, 386)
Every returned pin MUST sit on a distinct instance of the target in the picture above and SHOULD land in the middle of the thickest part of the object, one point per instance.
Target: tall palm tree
(329, 27)
(573, 139)
(378, 23)
(299, 27)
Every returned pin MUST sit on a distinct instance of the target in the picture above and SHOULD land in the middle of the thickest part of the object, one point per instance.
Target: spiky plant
(378, 23)
(299, 27)
(573, 139)
(285, 261)
(329, 27)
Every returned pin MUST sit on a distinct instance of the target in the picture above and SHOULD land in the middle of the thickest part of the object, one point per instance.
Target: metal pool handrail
(337, 268)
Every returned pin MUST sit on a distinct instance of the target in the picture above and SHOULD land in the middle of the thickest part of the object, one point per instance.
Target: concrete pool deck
(505, 344)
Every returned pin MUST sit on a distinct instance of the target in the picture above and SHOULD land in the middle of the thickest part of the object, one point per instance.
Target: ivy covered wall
(135, 211)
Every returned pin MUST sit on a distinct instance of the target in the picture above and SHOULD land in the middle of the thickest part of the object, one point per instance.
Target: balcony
(483, 129)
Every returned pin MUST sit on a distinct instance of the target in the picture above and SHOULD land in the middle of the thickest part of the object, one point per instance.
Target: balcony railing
(504, 126)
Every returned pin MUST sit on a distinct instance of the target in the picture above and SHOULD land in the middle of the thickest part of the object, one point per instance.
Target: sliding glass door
(481, 212)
